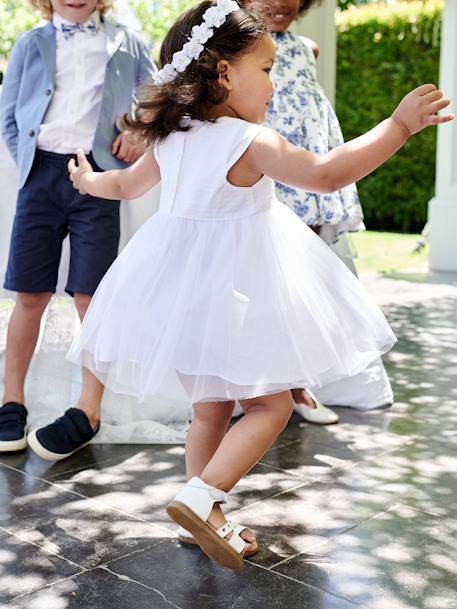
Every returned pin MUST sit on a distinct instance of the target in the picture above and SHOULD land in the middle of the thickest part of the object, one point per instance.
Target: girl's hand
(419, 109)
(77, 172)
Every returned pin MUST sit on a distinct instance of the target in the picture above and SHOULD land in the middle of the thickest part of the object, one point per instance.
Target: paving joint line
(332, 537)
(288, 577)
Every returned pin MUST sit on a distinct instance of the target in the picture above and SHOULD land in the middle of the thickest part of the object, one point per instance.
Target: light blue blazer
(29, 84)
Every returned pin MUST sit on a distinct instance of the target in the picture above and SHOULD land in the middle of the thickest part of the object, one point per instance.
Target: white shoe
(321, 415)
(191, 508)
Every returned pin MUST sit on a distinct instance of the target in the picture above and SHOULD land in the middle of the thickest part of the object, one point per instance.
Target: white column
(443, 207)
(319, 25)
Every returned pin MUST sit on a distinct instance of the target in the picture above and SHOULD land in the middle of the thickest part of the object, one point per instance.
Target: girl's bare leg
(206, 431)
(245, 444)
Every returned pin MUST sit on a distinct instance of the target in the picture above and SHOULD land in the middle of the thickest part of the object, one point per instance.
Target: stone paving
(360, 514)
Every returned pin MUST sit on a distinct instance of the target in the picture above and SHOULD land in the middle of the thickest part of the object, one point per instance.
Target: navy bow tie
(69, 30)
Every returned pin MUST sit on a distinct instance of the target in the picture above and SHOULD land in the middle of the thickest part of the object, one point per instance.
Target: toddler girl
(207, 300)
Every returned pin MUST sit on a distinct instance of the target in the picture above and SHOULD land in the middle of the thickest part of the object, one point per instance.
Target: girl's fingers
(439, 120)
(71, 165)
(424, 89)
(438, 105)
(433, 96)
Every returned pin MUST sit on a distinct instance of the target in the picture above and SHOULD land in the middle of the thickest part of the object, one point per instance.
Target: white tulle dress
(225, 293)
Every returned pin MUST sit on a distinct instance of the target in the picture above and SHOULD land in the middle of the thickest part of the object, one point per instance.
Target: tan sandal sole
(212, 545)
(191, 542)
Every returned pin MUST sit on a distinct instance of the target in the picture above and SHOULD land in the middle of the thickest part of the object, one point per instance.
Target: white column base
(442, 213)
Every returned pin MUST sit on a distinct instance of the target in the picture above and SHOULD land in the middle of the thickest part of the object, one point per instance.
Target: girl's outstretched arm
(127, 183)
(274, 156)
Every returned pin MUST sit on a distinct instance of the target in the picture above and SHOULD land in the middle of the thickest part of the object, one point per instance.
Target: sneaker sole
(10, 446)
(46, 454)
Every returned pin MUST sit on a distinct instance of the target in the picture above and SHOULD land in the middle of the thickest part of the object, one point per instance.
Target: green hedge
(383, 52)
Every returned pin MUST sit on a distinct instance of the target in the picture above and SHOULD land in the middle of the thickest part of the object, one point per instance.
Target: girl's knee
(278, 406)
(215, 414)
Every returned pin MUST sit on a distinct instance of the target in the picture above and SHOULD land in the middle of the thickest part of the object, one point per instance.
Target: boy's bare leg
(92, 390)
(22, 337)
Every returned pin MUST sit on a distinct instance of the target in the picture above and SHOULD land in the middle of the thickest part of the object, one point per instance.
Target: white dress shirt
(71, 119)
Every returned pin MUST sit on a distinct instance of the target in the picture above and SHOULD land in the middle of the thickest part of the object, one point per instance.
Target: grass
(388, 253)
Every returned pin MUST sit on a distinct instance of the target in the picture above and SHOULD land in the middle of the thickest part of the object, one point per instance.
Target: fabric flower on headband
(202, 33)
(193, 48)
(213, 17)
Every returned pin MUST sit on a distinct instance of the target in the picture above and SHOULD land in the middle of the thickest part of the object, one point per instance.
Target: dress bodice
(194, 165)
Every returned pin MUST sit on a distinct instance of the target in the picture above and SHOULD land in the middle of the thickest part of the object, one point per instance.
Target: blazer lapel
(46, 41)
(114, 38)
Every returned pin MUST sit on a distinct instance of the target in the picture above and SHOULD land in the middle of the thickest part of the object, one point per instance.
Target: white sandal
(187, 538)
(191, 508)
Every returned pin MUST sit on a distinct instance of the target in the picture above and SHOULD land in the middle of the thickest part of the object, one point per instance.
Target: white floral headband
(213, 18)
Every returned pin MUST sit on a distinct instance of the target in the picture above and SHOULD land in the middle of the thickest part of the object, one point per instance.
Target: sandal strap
(200, 497)
(236, 541)
(218, 495)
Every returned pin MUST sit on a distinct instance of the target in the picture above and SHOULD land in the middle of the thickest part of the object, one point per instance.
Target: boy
(66, 87)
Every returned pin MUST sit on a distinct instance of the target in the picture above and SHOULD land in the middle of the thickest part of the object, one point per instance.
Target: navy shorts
(49, 208)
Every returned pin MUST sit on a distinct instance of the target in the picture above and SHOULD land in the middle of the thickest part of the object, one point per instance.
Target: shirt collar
(58, 20)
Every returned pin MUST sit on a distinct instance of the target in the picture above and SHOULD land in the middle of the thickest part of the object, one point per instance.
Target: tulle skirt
(212, 310)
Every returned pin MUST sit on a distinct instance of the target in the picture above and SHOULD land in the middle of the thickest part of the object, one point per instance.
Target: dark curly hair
(307, 4)
(195, 92)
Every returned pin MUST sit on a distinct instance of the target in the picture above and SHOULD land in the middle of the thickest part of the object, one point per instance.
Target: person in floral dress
(302, 113)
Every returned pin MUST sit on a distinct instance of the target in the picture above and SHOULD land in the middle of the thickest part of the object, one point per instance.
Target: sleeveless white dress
(224, 293)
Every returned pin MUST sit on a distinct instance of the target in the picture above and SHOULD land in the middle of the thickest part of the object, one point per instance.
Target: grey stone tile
(97, 589)
(190, 581)
(318, 452)
(140, 485)
(402, 558)
(95, 536)
(91, 455)
(420, 474)
(423, 475)
(306, 517)
(27, 502)
(25, 568)
(143, 484)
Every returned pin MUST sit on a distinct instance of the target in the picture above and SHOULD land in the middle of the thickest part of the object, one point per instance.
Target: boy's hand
(77, 172)
(126, 147)
(419, 109)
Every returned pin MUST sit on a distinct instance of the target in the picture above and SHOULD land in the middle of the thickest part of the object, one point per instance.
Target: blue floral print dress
(302, 113)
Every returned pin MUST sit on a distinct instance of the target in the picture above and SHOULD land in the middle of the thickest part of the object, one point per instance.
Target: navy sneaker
(62, 438)
(13, 430)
